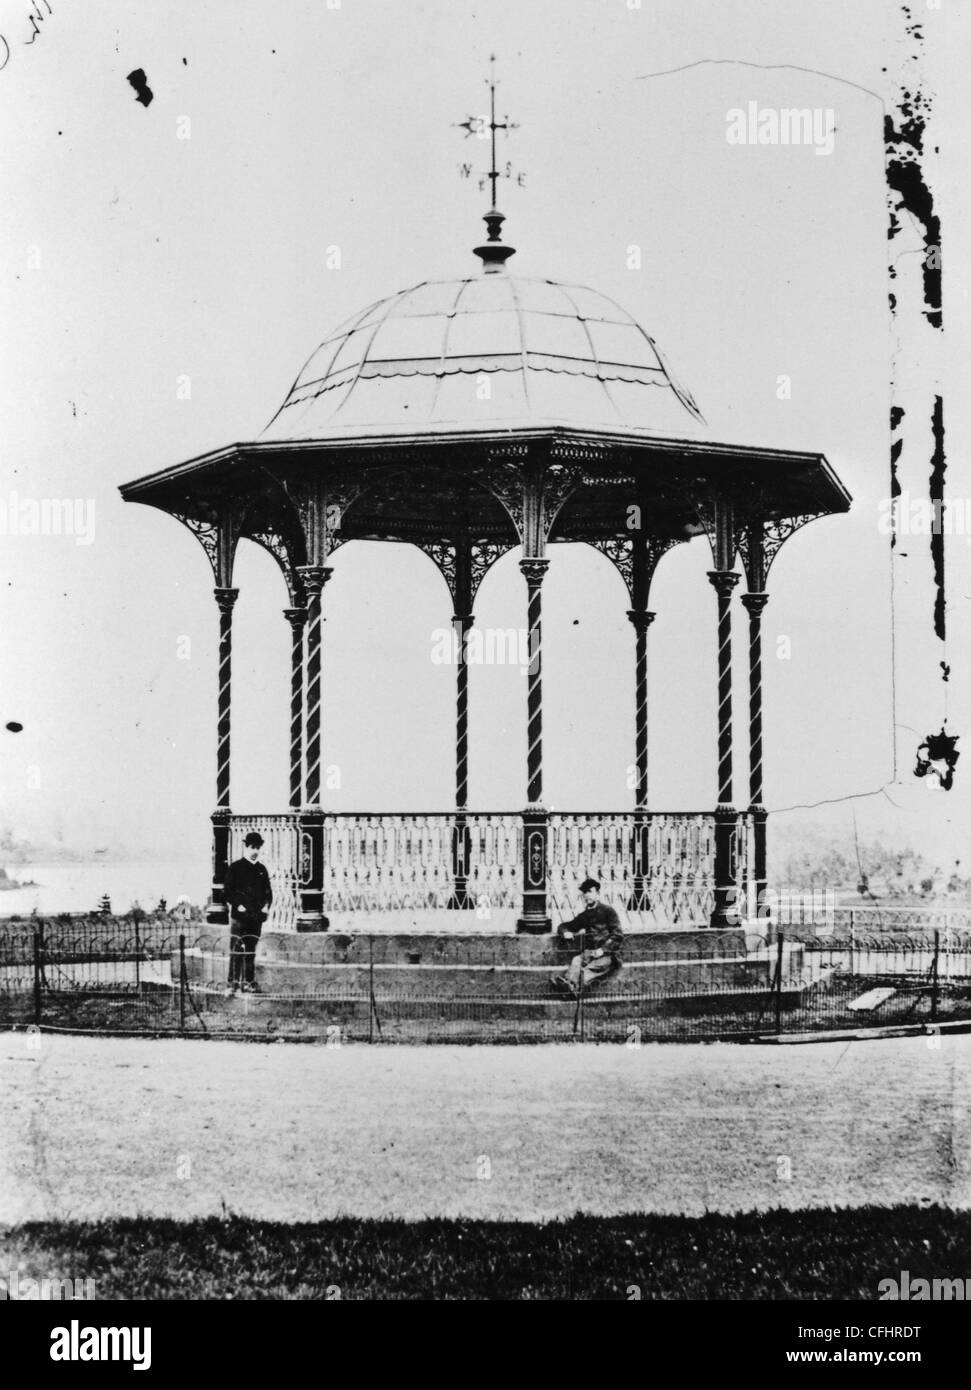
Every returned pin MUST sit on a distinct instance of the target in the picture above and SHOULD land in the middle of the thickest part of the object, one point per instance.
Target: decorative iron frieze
(484, 554)
(282, 551)
(622, 551)
(560, 481)
(320, 506)
(443, 554)
(759, 551)
(217, 533)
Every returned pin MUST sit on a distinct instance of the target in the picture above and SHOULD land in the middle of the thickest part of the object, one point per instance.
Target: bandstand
(473, 417)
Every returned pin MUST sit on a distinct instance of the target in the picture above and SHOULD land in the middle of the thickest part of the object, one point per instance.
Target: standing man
(601, 942)
(248, 895)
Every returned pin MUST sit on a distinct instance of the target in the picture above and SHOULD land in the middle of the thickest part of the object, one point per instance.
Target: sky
(166, 271)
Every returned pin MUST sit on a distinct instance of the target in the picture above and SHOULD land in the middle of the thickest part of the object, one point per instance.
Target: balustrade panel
(399, 861)
(387, 862)
(680, 878)
(495, 860)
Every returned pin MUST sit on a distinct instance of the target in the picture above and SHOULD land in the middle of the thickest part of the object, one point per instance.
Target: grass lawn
(774, 1255)
(99, 1128)
(188, 1169)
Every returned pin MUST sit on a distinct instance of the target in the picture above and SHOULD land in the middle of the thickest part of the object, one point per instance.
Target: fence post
(38, 936)
(138, 971)
(935, 978)
(373, 1015)
(778, 982)
(182, 982)
(851, 941)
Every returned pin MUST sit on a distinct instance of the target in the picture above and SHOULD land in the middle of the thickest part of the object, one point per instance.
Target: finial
(493, 253)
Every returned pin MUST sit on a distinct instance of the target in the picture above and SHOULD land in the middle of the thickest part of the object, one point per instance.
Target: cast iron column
(641, 619)
(297, 618)
(535, 817)
(217, 912)
(310, 914)
(461, 839)
(725, 912)
(755, 603)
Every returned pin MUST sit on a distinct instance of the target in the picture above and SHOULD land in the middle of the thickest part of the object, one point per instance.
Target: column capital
(296, 617)
(756, 601)
(641, 618)
(466, 619)
(314, 578)
(225, 598)
(724, 581)
(533, 569)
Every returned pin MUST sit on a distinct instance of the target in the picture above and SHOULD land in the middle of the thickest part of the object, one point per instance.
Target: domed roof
(492, 350)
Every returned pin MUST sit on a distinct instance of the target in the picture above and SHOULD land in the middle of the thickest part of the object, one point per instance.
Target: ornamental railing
(676, 875)
(659, 864)
(377, 862)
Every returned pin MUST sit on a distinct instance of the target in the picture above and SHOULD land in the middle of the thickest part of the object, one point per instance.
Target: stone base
(496, 968)
(475, 948)
(527, 926)
(474, 988)
(313, 924)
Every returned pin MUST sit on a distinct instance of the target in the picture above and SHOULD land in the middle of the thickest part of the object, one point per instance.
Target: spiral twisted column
(641, 618)
(216, 912)
(535, 817)
(310, 859)
(461, 841)
(462, 624)
(755, 604)
(226, 599)
(297, 618)
(724, 912)
(314, 577)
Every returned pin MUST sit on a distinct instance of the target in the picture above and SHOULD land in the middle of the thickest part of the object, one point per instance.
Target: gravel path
(91, 1127)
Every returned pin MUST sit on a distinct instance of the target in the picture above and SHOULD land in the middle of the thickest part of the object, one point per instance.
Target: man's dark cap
(253, 838)
(589, 883)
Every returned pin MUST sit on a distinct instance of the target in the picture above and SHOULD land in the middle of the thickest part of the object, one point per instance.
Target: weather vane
(493, 253)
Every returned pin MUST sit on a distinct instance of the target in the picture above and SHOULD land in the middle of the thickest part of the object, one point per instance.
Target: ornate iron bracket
(759, 542)
(624, 552)
(482, 555)
(282, 551)
(218, 535)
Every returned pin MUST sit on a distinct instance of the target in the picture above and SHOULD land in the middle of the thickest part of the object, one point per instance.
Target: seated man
(601, 942)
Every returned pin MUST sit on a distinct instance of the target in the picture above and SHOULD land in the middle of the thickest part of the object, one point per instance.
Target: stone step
(486, 981)
(324, 948)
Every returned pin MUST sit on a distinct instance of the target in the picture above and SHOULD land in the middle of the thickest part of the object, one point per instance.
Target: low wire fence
(159, 978)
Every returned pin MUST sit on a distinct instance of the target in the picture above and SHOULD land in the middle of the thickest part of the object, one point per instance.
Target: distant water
(80, 887)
